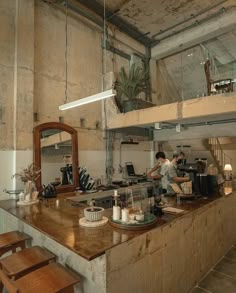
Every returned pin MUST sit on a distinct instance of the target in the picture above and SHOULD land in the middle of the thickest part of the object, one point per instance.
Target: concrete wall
(16, 91)
(33, 79)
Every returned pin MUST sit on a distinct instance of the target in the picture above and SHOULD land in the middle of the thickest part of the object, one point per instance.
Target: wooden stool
(12, 240)
(48, 279)
(25, 261)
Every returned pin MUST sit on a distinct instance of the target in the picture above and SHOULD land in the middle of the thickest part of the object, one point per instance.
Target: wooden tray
(149, 221)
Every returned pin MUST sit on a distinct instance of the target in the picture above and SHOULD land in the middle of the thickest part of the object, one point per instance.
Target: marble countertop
(60, 220)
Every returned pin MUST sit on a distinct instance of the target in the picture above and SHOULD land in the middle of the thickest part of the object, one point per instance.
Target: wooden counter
(106, 256)
(59, 219)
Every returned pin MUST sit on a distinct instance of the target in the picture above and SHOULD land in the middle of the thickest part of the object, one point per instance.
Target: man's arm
(173, 174)
(181, 179)
(149, 174)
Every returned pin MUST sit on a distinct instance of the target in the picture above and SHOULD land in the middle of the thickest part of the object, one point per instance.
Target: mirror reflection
(56, 157)
(56, 154)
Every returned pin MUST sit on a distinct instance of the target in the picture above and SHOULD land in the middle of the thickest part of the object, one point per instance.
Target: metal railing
(218, 153)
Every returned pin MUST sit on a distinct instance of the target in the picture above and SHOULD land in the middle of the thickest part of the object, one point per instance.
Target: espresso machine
(198, 176)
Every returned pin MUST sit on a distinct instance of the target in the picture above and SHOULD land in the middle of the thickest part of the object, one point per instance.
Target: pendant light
(93, 98)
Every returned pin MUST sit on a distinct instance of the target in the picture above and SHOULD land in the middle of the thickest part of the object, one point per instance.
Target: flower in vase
(31, 173)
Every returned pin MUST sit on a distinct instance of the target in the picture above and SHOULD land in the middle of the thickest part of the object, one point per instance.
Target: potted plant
(129, 87)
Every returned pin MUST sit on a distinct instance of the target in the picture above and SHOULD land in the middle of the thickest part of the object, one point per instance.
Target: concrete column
(153, 76)
(17, 70)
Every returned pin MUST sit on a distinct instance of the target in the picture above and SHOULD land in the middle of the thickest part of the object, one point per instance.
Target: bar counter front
(170, 257)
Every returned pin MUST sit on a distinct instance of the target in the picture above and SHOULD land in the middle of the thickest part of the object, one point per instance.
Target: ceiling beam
(197, 132)
(116, 20)
(194, 36)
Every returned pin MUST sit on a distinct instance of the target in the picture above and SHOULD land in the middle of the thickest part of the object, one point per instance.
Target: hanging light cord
(66, 52)
(104, 38)
(107, 162)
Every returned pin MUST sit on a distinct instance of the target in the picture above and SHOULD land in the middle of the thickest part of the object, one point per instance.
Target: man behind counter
(174, 175)
(162, 164)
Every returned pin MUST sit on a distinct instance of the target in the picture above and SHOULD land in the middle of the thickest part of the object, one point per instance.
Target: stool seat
(48, 279)
(11, 240)
(26, 260)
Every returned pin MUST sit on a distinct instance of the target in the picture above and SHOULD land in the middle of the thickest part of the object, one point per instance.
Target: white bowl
(93, 214)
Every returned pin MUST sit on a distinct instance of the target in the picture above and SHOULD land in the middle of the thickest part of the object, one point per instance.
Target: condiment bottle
(116, 208)
(125, 215)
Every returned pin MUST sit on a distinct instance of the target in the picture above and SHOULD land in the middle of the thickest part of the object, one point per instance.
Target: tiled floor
(222, 278)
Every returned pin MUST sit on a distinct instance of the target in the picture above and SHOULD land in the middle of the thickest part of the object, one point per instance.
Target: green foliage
(129, 86)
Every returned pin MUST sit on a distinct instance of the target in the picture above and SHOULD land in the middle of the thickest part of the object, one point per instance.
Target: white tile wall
(12, 162)
(50, 171)
(95, 161)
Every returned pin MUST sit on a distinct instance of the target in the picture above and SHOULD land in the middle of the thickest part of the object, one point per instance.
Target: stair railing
(218, 152)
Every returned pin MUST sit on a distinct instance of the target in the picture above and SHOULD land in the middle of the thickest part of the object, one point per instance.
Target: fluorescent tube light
(90, 99)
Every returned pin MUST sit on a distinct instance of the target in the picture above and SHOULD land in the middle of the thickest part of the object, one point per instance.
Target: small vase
(29, 189)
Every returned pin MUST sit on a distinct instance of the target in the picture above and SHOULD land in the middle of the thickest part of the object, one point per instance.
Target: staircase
(218, 154)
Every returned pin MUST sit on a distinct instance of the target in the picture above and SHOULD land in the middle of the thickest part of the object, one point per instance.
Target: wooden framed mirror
(56, 154)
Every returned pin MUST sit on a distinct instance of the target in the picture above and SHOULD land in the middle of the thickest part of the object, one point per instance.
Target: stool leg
(13, 248)
(68, 290)
(7, 283)
(1, 286)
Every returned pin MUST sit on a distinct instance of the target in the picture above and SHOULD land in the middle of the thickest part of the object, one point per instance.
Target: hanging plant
(130, 85)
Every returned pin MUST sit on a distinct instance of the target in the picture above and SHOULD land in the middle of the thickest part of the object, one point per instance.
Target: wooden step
(10, 241)
(48, 279)
(24, 261)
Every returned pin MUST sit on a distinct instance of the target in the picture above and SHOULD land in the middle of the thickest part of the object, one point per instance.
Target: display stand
(149, 221)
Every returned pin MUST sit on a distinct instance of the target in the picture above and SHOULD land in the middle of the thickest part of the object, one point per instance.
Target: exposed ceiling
(150, 21)
(153, 21)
